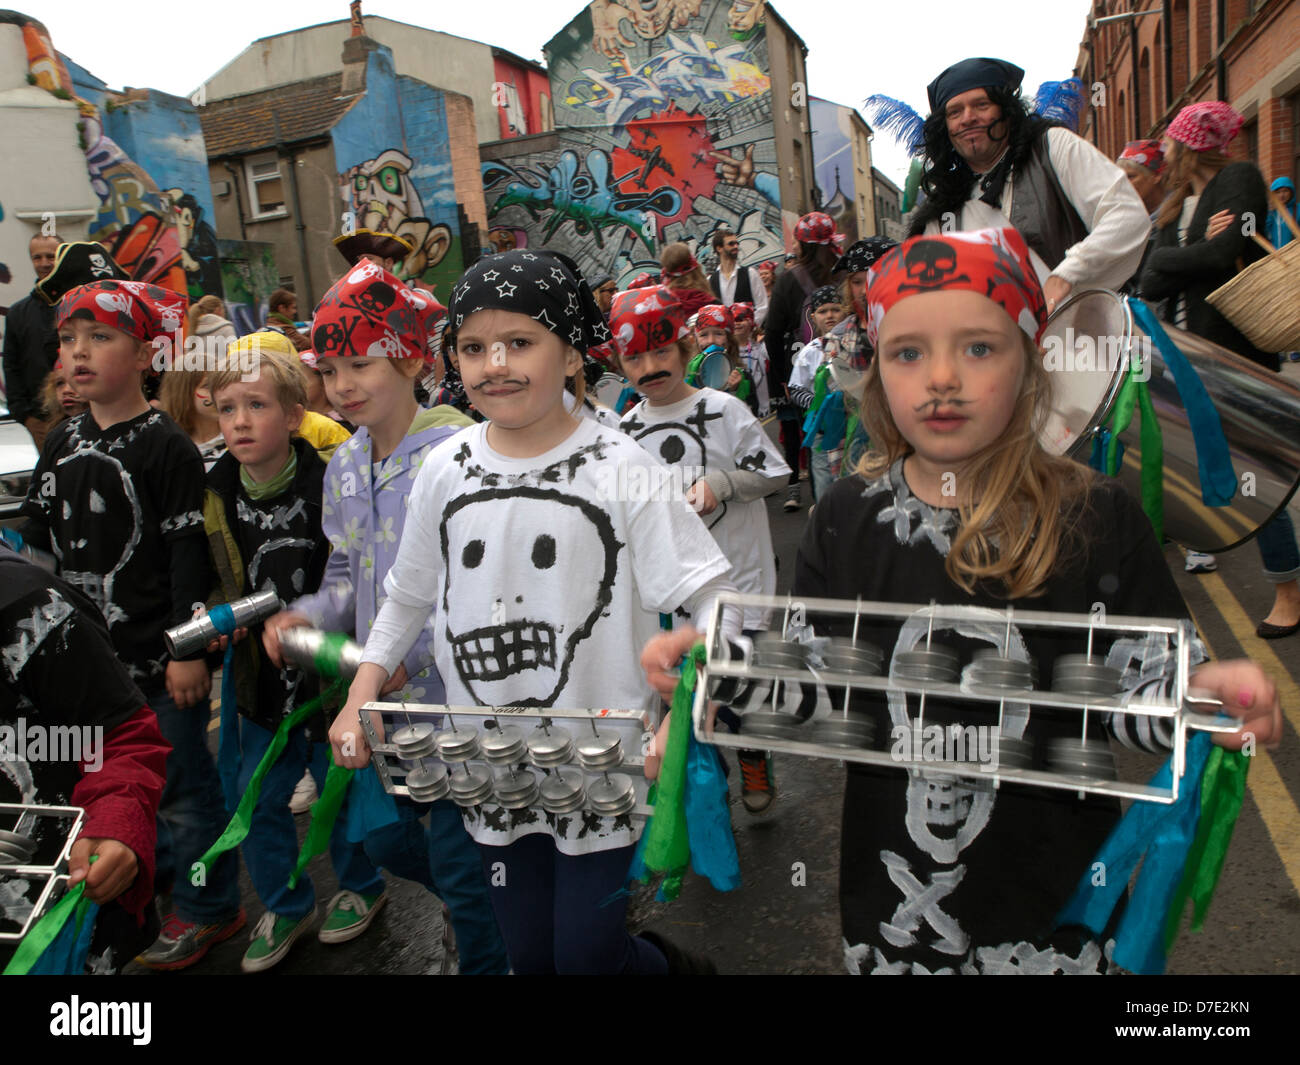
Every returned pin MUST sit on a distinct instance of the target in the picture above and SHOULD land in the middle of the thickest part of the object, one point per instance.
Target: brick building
(1140, 71)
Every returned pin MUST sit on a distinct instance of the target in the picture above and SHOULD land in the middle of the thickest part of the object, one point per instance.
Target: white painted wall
(42, 167)
(439, 59)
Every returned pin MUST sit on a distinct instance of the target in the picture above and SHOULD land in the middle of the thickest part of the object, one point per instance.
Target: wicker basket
(1263, 301)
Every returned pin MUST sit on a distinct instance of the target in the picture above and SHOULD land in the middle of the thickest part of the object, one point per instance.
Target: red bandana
(1146, 154)
(642, 281)
(714, 314)
(1203, 126)
(145, 311)
(742, 312)
(645, 319)
(691, 264)
(815, 228)
(993, 262)
(371, 314)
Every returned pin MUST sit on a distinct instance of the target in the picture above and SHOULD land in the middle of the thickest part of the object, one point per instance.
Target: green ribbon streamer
(47, 929)
(236, 832)
(668, 847)
(324, 812)
(1223, 786)
(1136, 393)
(820, 387)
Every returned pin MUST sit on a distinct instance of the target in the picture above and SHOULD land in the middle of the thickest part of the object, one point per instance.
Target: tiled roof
(306, 109)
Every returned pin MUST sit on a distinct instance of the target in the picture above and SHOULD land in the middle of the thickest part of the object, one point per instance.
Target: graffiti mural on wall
(198, 241)
(248, 277)
(582, 193)
(663, 113)
(134, 220)
(834, 165)
(385, 199)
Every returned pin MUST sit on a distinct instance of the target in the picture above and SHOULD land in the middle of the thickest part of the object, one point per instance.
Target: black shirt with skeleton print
(114, 501)
(942, 875)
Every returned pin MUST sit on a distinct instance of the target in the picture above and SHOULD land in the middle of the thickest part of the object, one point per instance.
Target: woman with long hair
(1185, 266)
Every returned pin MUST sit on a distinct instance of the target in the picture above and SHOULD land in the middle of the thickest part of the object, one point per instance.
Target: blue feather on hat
(1060, 101)
(897, 119)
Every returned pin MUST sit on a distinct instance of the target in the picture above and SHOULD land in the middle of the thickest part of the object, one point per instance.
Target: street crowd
(432, 481)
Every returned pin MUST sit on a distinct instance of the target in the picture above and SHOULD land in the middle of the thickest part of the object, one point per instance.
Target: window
(265, 186)
(1251, 140)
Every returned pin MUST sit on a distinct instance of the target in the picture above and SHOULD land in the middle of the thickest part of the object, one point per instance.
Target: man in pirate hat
(990, 163)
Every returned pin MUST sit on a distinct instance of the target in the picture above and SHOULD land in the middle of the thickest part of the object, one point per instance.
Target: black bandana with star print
(545, 285)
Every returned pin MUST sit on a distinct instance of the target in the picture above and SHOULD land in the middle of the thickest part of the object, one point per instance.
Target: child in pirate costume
(953, 876)
(370, 334)
(118, 496)
(718, 449)
(753, 355)
(515, 528)
(846, 349)
(824, 450)
(46, 624)
(263, 518)
(715, 329)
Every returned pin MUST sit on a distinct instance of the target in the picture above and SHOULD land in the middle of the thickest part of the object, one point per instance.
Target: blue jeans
(563, 913)
(271, 848)
(192, 815)
(443, 858)
(1277, 548)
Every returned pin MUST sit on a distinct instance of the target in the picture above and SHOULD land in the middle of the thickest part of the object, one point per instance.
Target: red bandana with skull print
(993, 262)
(715, 314)
(645, 319)
(144, 311)
(370, 314)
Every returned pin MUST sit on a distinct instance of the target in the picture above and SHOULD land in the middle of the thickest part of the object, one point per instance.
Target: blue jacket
(1275, 227)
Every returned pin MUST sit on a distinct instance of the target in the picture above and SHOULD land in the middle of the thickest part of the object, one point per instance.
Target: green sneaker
(272, 937)
(350, 914)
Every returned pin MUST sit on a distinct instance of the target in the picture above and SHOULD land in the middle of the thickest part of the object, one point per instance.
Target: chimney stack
(356, 52)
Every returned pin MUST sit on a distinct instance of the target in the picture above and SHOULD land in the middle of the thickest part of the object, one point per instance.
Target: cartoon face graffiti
(525, 595)
(385, 199)
(745, 17)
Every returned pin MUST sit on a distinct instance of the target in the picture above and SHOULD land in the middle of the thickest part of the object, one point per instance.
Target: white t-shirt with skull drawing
(706, 432)
(548, 574)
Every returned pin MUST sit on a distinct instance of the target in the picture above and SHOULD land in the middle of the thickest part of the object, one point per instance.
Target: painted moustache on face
(653, 377)
(935, 404)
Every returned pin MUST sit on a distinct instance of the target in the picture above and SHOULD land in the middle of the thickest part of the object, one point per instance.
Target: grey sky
(854, 49)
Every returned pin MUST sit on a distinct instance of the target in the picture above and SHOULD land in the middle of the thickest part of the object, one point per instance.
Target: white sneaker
(1200, 562)
(304, 794)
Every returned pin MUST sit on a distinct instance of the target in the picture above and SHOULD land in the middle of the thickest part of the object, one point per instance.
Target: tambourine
(709, 369)
(35, 842)
(845, 698)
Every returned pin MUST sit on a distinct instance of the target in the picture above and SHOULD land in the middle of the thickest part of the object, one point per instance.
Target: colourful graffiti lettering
(385, 199)
(689, 66)
(591, 201)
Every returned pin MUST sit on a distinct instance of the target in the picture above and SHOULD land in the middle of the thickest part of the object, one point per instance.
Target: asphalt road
(784, 919)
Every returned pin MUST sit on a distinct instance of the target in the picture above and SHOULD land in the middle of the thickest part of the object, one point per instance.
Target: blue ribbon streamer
(708, 821)
(66, 954)
(229, 751)
(708, 824)
(1213, 459)
(829, 419)
(1161, 833)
